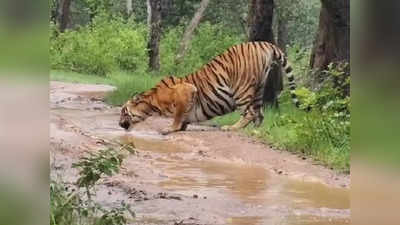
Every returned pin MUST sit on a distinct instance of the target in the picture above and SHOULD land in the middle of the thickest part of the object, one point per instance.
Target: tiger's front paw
(167, 130)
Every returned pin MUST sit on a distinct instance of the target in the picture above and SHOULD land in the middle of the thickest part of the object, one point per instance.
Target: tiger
(233, 80)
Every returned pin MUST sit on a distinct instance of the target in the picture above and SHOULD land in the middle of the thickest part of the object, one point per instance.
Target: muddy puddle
(211, 189)
(250, 183)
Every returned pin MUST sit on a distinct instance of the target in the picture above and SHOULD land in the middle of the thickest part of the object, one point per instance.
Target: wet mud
(200, 176)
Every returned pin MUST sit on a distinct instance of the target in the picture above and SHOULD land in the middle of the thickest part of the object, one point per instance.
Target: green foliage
(93, 166)
(209, 41)
(68, 207)
(105, 46)
(128, 85)
(301, 17)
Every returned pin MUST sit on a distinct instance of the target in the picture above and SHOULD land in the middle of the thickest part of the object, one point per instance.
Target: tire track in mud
(200, 176)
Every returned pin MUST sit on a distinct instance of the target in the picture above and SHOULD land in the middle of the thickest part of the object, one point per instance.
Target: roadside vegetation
(74, 204)
(112, 49)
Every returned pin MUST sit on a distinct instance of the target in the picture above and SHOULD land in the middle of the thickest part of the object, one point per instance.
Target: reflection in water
(154, 145)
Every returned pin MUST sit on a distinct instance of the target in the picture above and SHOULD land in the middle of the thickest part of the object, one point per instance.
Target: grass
(289, 128)
(302, 133)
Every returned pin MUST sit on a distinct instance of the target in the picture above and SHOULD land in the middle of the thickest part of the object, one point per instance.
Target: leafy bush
(68, 206)
(93, 166)
(106, 45)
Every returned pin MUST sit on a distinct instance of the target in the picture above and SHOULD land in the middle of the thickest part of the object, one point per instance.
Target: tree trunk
(332, 44)
(187, 36)
(154, 21)
(54, 13)
(260, 21)
(129, 8)
(65, 13)
(282, 34)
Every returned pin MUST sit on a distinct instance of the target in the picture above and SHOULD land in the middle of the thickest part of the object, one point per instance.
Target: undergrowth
(70, 205)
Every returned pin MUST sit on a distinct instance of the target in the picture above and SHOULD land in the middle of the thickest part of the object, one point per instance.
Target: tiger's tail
(288, 70)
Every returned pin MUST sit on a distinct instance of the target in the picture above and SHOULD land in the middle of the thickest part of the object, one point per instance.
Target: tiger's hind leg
(247, 116)
(259, 119)
(251, 108)
(258, 109)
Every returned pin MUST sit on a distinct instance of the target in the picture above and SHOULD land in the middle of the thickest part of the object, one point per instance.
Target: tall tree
(260, 20)
(188, 34)
(332, 44)
(65, 14)
(129, 8)
(154, 23)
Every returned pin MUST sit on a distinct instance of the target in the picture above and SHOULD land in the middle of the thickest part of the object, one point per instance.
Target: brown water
(250, 184)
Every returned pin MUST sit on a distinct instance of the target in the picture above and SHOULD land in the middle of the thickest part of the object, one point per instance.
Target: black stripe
(194, 81)
(284, 62)
(225, 92)
(290, 78)
(289, 69)
(213, 110)
(147, 113)
(217, 79)
(140, 117)
(221, 64)
(230, 57)
(244, 92)
(165, 83)
(202, 107)
(293, 95)
(172, 79)
(202, 96)
(265, 46)
(211, 64)
(215, 92)
(213, 103)
(223, 57)
(243, 103)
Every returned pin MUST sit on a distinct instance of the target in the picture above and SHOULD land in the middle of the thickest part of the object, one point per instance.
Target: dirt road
(200, 176)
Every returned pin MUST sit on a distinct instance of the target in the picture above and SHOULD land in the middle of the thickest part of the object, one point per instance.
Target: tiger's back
(234, 80)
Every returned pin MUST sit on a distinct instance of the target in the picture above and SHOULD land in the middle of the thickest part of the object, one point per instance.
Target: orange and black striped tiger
(234, 80)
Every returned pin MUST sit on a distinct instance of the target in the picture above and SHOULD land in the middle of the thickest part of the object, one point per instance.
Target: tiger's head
(133, 112)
